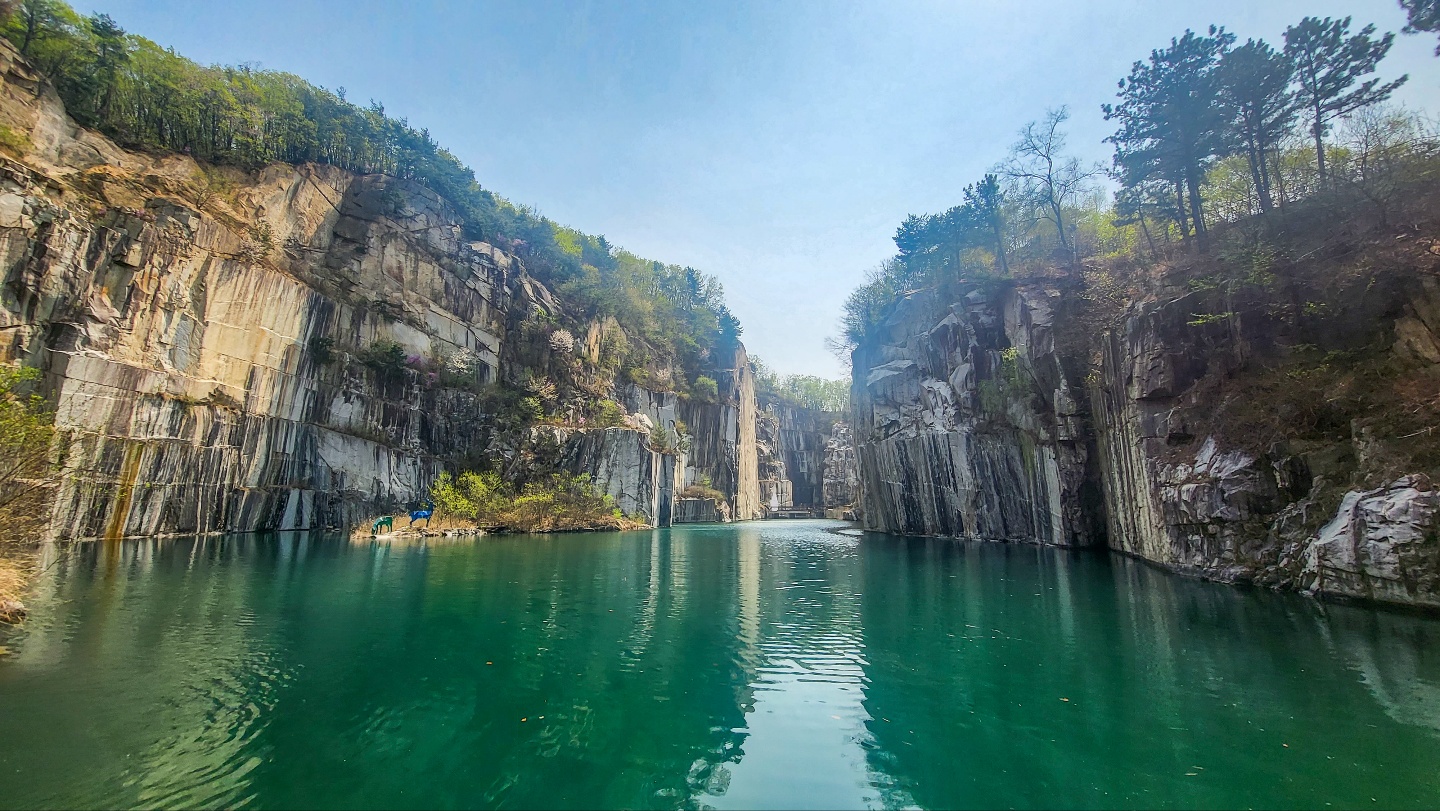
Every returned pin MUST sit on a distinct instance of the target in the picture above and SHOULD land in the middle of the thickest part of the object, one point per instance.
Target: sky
(775, 145)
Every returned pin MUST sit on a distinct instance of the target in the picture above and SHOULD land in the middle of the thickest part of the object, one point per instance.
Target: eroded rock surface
(1382, 544)
(207, 351)
(965, 424)
(841, 486)
(971, 422)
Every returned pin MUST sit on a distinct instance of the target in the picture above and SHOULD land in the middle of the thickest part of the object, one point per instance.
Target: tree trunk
(1279, 177)
(32, 24)
(1000, 247)
(1319, 131)
(1145, 229)
(1257, 174)
(1180, 210)
(1197, 212)
(1059, 224)
(1265, 176)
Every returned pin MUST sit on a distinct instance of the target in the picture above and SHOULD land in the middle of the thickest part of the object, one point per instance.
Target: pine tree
(1172, 126)
(36, 17)
(1328, 63)
(111, 53)
(1254, 82)
(914, 238)
(986, 200)
(1424, 16)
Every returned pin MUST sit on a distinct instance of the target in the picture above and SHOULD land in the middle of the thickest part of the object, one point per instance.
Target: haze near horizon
(775, 146)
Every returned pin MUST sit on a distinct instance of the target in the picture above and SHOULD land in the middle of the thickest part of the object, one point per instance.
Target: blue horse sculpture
(426, 510)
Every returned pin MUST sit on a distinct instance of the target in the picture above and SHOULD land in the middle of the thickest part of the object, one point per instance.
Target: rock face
(1381, 545)
(971, 422)
(216, 366)
(1171, 496)
(185, 363)
(795, 439)
(841, 485)
(623, 464)
(966, 426)
(777, 491)
(699, 511)
(723, 440)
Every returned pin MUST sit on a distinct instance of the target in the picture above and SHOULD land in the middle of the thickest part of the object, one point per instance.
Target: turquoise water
(773, 664)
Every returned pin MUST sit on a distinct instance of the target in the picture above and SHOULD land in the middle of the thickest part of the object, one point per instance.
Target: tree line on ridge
(1207, 131)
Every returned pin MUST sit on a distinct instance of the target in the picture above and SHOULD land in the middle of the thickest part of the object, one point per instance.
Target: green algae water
(763, 665)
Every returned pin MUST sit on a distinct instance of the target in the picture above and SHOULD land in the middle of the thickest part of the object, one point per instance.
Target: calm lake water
(773, 664)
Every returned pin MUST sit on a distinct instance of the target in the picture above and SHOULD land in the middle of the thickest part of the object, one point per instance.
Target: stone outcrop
(792, 443)
(841, 476)
(1181, 495)
(1171, 496)
(777, 491)
(700, 511)
(966, 426)
(971, 421)
(974, 419)
(185, 360)
(722, 445)
(1382, 545)
(624, 465)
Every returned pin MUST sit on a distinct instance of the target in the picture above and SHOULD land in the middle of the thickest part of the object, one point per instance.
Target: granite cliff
(1273, 426)
(303, 346)
(797, 457)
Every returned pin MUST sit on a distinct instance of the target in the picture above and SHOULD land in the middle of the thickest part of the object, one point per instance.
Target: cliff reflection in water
(1061, 678)
(772, 664)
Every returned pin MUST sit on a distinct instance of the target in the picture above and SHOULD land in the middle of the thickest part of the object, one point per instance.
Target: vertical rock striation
(841, 477)
(796, 438)
(308, 348)
(971, 420)
(722, 434)
(966, 425)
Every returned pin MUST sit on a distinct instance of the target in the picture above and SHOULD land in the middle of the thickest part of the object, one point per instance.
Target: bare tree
(1388, 151)
(1049, 180)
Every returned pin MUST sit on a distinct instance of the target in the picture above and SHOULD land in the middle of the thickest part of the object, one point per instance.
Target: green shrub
(558, 502)
(698, 490)
(386, 358)
(509, 411)
(322, 349)
(26, 430)
(531, 409)
(706, 389)
(12, 141)
(479, 497)
(608, 414)
(561, 502)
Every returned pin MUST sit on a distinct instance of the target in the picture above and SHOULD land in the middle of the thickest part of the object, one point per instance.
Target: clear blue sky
(776, 145)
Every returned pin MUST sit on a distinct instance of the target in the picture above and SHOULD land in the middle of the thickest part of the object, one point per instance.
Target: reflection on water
(772, 664)
(805, 728)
